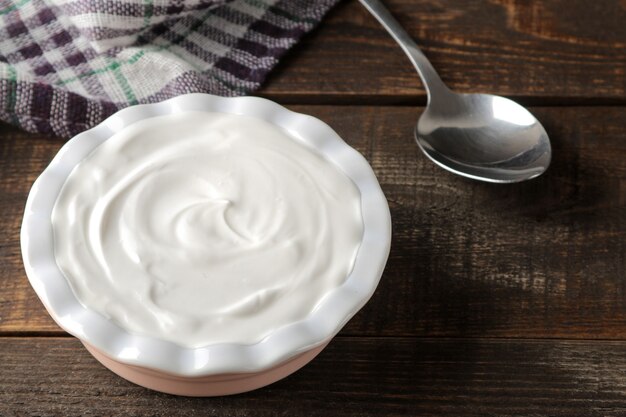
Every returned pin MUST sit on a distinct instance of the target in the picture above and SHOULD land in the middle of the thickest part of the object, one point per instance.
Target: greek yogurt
(202, 228)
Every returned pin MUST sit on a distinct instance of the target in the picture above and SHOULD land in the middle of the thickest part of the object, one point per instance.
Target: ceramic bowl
(217, 369)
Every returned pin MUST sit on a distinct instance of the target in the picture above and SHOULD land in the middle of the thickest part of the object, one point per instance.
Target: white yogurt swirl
(202, 228)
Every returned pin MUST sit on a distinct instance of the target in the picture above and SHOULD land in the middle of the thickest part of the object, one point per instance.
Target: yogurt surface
(202, 228)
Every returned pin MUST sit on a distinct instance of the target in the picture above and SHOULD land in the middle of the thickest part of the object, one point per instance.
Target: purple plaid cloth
(65, 65)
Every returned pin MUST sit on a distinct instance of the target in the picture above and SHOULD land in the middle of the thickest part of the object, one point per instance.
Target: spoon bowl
(484, 137)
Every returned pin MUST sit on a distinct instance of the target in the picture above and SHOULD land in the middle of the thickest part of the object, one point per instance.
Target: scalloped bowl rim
(331, 314)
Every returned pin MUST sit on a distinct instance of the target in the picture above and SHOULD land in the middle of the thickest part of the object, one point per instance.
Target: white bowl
(299, 339)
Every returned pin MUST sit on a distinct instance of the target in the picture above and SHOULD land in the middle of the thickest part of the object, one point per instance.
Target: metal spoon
(480, 136)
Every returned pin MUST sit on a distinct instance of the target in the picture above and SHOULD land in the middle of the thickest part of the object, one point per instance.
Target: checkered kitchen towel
(65, 65)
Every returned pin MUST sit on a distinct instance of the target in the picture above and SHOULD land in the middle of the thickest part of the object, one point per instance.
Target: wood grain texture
(546, 258)
(22, 158)
(557, 52)
(352, 376)
(543, 258)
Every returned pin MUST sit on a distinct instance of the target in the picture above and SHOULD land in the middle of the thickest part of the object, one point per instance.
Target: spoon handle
(430, 78)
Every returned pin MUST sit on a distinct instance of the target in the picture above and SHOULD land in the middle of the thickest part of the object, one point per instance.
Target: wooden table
(497, 299)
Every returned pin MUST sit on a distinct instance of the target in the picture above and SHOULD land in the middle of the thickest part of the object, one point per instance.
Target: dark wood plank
(541, 258)
(353, 376)
(546, 258)
(539, 51)
(22, 158)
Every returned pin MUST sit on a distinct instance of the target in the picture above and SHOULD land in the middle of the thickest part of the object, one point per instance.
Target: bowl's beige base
(205, 386)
